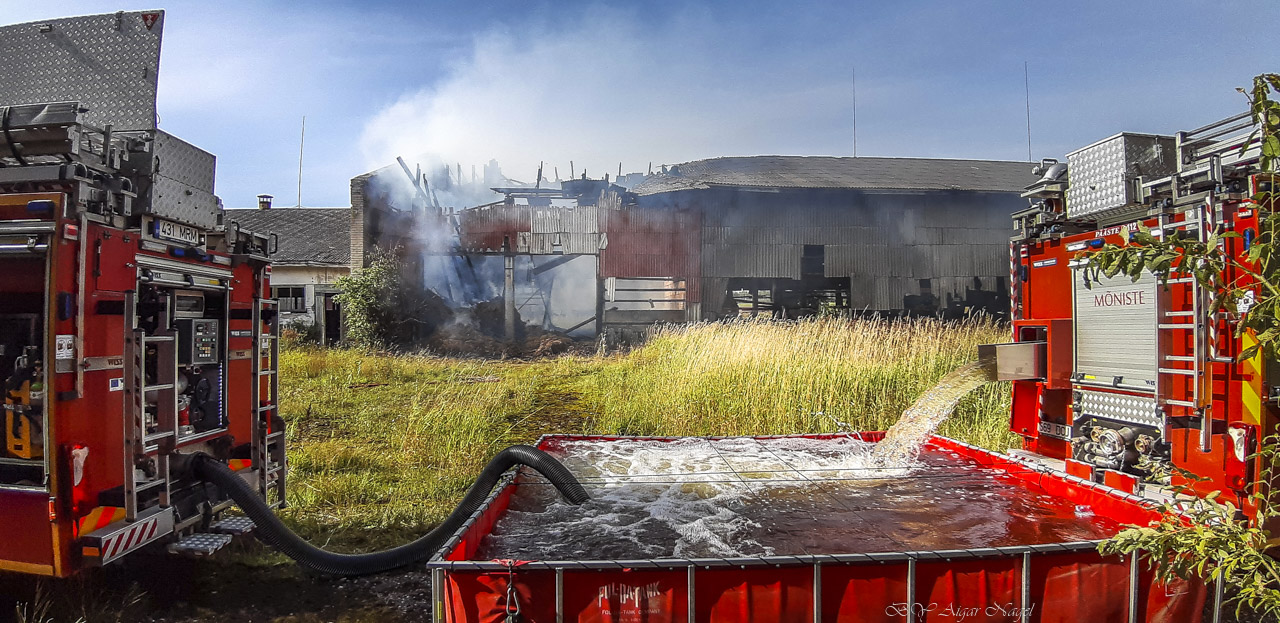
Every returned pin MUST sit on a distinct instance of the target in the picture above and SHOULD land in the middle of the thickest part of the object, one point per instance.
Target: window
(814, 260)
(292, 298)
(645, 293)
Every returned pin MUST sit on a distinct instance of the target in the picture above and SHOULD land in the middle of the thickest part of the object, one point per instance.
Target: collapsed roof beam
(563, 259)
(414, 179)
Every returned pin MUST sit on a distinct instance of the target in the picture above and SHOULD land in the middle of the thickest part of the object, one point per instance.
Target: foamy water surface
(698, 497)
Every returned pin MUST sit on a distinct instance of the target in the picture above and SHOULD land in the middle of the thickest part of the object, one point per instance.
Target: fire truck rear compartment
(183, 360)
(22, 309)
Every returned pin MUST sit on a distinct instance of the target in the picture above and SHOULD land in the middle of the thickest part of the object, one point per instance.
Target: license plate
(1052, 429)
(177, 232)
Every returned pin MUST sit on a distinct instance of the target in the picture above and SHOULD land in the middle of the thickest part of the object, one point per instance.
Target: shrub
(300, 332)
(380, 303)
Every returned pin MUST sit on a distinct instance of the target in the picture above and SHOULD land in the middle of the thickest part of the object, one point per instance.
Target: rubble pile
(479, 330)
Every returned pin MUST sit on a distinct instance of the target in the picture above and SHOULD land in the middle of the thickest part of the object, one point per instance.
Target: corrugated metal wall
(482, 229)
(548, 220)
(535, 230)
(885, 242)
(656, 242)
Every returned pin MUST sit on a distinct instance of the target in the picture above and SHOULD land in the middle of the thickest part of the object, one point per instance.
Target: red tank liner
(1056, 582)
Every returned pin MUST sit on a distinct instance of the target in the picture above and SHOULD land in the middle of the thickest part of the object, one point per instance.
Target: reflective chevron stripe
(100, 518)
(121, 537)
(1251, 387)
(121, 543)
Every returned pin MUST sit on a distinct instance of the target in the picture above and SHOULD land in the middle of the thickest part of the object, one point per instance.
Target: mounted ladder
(1208, 159)
(151, 409)
(1188, 325)
(269, 459)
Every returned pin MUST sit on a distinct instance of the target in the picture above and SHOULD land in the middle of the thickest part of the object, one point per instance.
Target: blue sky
(666, 82)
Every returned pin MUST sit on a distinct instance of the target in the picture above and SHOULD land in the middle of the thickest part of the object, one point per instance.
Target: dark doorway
(332, 320)
(813, 262)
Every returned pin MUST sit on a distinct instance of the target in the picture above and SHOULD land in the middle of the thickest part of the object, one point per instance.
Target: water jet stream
(903, 440)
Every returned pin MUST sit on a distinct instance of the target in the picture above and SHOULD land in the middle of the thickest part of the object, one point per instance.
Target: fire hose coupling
(182, 465)
(1112, 441)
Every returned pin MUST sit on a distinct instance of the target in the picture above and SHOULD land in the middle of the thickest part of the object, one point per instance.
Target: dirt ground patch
(157, 588)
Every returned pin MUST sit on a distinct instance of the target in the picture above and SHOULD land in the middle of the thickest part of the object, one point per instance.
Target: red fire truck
(1128, 382)
(135, 325)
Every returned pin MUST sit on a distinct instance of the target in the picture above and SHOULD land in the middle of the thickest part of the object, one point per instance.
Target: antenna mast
(1026, 81)
(855, 112)
(302, 141)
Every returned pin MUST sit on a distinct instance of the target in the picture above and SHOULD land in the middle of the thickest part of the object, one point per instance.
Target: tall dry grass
(765, 377)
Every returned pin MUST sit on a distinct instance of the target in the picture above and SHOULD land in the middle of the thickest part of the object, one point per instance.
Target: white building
(314, 251)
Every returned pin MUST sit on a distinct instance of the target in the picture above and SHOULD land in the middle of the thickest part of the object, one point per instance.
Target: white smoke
(438, 191)
(556, 299)
(602, 87)
(442, 182)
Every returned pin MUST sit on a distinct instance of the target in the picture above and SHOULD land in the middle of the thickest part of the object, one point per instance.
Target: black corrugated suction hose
(272, 531)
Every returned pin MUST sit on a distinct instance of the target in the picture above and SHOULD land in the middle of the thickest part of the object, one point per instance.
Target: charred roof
(841, 173)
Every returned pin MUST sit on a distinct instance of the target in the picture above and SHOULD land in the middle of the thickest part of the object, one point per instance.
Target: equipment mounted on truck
(1127, 382)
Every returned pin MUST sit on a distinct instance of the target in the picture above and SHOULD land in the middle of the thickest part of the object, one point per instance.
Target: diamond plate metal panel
(176, 201)
(1120, 407)
(1099, 175)
(183, 162)
(108, 63)
(233, 525)
(183, 181)
(200, 544)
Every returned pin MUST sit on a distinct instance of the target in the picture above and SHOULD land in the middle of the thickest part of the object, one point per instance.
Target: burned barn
(775, 236)
(502, 260)
(791, 235)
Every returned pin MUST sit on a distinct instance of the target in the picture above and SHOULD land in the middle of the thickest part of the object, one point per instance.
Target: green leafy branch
(1266, 114)
(1205, 538)
(1252, 297)
(375, 301)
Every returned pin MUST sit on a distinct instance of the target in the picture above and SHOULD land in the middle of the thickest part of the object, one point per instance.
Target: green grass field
(383, 446)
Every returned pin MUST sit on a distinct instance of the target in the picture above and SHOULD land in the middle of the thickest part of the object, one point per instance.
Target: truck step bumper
(200, 544)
